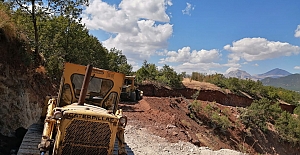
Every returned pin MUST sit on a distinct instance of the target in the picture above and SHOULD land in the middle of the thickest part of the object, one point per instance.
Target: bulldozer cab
(130, 92)
(103, 88)
(129, 82)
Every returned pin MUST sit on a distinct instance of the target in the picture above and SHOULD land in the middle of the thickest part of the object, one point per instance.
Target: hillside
(290, 82)
(23, 87)
(165, 115)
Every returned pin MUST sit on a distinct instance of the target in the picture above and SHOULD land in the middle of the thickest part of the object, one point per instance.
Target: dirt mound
(192, 84)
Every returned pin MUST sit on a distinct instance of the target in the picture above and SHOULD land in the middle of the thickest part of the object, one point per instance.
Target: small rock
(169, 126)
(196, 142)
(174, 133)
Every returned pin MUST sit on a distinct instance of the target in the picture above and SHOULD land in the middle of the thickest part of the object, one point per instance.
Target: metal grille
(84, 137)
(82, 150)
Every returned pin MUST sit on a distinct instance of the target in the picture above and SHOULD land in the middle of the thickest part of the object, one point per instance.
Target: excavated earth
(164, 112)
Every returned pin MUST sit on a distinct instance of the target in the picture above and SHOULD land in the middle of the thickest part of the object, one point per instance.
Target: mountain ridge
(290, 82)
(276, 77)
(274, 73)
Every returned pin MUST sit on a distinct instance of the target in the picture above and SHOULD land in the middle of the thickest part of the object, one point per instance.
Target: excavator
(84, 119)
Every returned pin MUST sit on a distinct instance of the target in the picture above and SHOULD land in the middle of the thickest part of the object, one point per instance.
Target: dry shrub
(7, 27)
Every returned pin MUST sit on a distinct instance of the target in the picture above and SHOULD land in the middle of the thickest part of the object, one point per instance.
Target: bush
(260, 112)
(288, 127)
(297, 111)
(196, 106)
(220, 120)
(195, 95)
(165, 76)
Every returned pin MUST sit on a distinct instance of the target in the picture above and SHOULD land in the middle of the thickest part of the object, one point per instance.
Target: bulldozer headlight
(123, 121)
(57, 115)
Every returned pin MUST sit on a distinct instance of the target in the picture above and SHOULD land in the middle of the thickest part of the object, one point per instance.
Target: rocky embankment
(22, 94)
(19, 100)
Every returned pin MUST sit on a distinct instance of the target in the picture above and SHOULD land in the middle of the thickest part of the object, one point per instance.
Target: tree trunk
(36, 36)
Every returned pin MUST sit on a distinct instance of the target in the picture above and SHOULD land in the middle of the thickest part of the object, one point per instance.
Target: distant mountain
(290, 82)
(274, 73)
(238, 74)
(275, 77)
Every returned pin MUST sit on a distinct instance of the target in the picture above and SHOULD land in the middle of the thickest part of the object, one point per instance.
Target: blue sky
(201, 35)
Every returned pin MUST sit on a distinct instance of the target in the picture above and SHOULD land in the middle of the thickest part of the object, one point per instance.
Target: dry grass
(9, 30)
(199, 85)
(7, 27)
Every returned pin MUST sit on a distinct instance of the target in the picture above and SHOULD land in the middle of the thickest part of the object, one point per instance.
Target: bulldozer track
(32, 138)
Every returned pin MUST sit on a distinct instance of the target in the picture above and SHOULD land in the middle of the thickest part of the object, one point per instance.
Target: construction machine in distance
(84, 119)
(130, 92)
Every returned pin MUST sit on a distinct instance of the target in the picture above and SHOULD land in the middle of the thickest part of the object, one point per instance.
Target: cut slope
(171, 118)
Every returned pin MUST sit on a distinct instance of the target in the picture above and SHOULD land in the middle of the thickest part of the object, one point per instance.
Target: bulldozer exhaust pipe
(85, 84)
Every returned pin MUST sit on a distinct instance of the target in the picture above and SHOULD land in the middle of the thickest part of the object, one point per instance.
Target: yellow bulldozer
(84, 119)
(130, 92)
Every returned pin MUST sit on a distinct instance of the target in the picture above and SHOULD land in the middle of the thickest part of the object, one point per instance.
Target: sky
(202, 36)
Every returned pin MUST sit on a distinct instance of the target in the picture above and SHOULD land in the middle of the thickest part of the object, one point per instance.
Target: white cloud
(232, 66)
(135, 65)
(202, 61)
(186, 55)
(297, 31)
(252, 49)
(197, 67)
(149, 9)
(150, 38)
(233, 58)
(188, 8)
(231, 69)
(297, 67)
(133, 25)
(100, 15)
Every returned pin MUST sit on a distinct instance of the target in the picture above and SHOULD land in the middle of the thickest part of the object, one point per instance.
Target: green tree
(260, 112)
(220, 121)
(288, 127)
(148, 71)
(118, 62)
(168, 76)
(63, 40)
(36, 10)
(297, 111)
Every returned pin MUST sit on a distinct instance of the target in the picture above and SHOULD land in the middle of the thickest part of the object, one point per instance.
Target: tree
(63, 40)
(61, 37)
(147, 72)
(288, 127)
(38, 9)
(168, 76)
(118, 62)
(260, 112)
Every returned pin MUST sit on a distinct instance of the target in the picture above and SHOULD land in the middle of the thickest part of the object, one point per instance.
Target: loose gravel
(142, 142)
